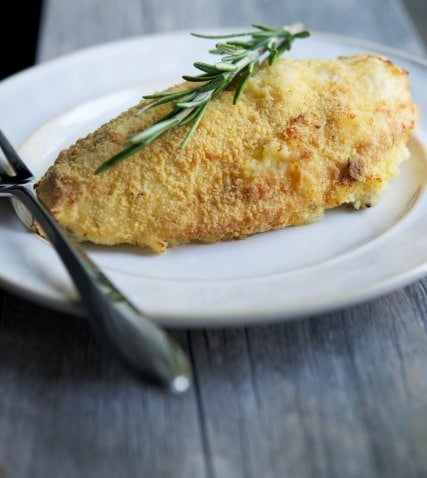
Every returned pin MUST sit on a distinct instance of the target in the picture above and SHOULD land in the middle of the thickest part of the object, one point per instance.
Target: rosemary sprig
(239, 61)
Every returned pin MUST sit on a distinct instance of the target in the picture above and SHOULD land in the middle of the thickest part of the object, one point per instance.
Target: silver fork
(135, 340)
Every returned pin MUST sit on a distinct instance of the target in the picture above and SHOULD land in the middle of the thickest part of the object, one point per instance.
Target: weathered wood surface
(338, 395)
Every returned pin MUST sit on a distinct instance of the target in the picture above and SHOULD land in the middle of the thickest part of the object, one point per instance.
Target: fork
(133, 338)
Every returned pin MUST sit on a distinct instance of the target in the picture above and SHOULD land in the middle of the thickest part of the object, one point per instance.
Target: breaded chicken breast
(305, 136)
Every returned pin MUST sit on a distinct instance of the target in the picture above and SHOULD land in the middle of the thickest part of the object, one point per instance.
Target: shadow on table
(40, 343)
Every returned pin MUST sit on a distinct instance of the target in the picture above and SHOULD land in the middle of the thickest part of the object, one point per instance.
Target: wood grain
(338, 395)
(68, 26)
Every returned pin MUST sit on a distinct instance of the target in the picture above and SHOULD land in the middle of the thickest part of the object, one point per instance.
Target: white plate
(346, 258)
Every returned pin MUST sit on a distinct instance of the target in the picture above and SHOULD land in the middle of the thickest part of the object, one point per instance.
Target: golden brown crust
(307, 135)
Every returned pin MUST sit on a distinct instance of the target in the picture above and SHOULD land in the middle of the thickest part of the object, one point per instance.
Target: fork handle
(138, 343)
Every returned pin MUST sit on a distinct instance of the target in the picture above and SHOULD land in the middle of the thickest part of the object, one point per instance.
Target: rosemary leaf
(195, 124)
(240, 59)
(241, 86)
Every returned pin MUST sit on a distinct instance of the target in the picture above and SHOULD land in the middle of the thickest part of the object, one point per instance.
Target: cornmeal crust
(307, 135)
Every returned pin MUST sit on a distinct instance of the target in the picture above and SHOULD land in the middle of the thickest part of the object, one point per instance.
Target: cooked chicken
(306, 136)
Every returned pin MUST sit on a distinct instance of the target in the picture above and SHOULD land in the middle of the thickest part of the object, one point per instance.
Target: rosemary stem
(239, 61)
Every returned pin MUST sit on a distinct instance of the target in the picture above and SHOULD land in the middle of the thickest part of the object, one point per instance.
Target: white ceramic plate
(346, 258)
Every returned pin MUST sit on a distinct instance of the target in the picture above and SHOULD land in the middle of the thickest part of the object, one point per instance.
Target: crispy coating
(306, 136)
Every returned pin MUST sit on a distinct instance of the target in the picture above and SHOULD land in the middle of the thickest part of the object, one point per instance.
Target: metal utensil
(138, 343)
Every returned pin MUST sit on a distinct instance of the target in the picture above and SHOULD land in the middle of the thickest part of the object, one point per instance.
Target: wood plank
(71, 25)
(67, 406)
(337, 395)
(68, 26)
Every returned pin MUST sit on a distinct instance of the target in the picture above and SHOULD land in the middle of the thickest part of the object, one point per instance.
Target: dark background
(18, 35)
(23, 20)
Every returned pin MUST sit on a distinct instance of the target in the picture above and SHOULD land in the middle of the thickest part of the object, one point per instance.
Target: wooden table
(338, 395)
